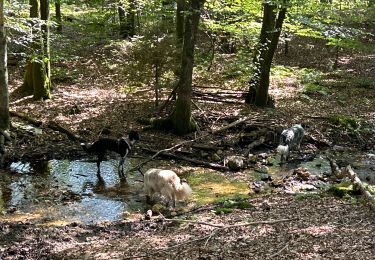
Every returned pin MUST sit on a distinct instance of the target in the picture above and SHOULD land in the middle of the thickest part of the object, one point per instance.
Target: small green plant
(229, 205)
(344, 121)
(313, 88)
(310, 76)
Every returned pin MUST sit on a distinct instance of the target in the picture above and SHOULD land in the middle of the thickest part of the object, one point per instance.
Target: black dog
(121, 146)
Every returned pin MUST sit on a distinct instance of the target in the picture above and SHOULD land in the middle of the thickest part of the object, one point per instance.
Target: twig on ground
(209, 236)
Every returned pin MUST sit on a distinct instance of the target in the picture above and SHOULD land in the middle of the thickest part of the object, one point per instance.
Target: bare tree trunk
(34, 8)
(122, 19)
(130, 19)
(182, 118)
(181, 121)
(44, 15)
(4, 94)
(180, 20)
(58, 15)
(269, 37)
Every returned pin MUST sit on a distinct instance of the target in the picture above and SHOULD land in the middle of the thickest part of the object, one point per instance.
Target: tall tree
(268, 40)
(180, 20)
(34, 8)
(180, 120)
(4, 94)
(44, 16)
(130, 18)
(58, 15)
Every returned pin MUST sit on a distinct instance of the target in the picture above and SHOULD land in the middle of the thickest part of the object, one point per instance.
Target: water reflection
(69, 190)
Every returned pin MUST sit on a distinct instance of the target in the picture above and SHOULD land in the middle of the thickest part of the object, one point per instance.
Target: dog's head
(133, 136)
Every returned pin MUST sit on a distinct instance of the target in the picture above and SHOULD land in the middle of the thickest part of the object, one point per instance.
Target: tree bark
(122, 19)
(180, 21)
(44, 15)
(268, 40)
(4, 93)
(36, 81)
(182, 118)
(34, 8)
(130, 19)
(58, 15)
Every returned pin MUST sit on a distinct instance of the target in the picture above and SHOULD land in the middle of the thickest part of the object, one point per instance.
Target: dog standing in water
(167, 183)
(121, 146)
(289, 139)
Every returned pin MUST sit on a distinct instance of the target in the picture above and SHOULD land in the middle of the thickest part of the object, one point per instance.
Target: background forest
(209, 86)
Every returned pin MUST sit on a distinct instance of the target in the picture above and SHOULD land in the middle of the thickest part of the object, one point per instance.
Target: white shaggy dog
(167, 183)
(289, 139)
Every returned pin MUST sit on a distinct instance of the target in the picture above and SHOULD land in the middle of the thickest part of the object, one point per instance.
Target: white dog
(167, 183)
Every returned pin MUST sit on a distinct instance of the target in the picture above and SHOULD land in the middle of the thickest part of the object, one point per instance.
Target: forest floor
(89, 99)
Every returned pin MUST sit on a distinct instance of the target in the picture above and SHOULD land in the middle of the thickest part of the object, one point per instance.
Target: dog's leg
(99, 160)
(121, 166)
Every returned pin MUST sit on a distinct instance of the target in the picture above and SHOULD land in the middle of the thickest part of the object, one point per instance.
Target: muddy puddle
(69, 191)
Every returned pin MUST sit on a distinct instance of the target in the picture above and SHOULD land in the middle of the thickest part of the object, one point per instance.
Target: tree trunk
(122, 19)
(34, 14)
(181, 121)
(36, 81)
(264, 81)
(130, 19)
(34, 8)
(180, 20)
(4, 94)
(269, 38)
(58, 15)
(44, 15)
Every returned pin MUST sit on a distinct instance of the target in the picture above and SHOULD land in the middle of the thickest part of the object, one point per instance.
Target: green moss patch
(212, 187)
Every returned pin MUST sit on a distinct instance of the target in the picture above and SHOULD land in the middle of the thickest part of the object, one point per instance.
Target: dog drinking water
(167, 183)
(290, 139)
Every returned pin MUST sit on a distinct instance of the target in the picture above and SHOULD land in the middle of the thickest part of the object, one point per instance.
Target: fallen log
(188, 159)
(72, 136)
(254, 144)
(25, 117)
(233, 124)
(357, 183)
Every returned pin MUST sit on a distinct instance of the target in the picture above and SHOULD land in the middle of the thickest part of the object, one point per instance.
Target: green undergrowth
(343, 189)
(211, 187)
(228, 206)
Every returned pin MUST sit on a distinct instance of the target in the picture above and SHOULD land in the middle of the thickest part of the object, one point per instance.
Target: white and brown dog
(166, 183)
(290, 139)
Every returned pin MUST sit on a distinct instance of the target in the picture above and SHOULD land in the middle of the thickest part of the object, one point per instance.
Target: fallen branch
(54, 126)
(264, 222)
(25, 117)
(184, 158)
(357, 183)
(235, 123)
(254, 144)
(218, 228)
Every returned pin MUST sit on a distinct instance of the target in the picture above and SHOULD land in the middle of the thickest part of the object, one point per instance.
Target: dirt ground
(297, 227)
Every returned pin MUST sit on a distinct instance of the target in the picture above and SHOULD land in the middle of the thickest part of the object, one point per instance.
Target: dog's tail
(283, 150)
(87, 147)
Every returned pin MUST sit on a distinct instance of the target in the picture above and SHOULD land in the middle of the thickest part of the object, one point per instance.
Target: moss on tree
(36, 81)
